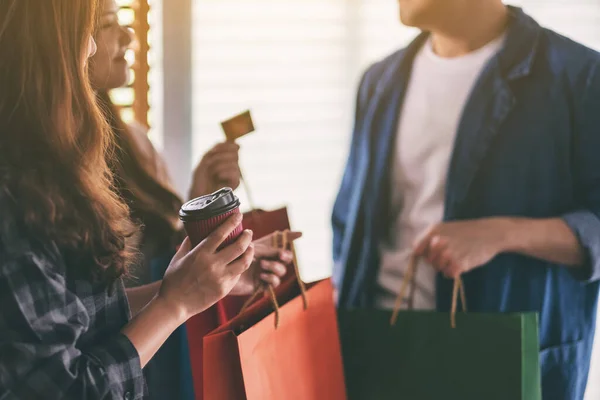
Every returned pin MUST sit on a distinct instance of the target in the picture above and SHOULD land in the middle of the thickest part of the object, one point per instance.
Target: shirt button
(128, 396)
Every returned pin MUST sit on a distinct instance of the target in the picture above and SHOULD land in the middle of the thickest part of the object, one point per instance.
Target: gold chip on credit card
(238, 126)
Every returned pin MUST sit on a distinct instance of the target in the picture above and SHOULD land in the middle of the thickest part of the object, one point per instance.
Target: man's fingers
(445, 259)
(436, 247)
(421, 245)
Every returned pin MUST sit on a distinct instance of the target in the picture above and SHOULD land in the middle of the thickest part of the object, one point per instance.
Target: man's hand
(454, 248)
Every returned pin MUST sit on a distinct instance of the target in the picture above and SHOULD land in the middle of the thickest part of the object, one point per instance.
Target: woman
(143, 182)
(65, 237)
(141, 173)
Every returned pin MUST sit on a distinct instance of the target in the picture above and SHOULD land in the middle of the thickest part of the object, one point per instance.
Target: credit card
(238, 126)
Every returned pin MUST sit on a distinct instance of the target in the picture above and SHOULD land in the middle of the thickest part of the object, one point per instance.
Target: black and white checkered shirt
(59, 337)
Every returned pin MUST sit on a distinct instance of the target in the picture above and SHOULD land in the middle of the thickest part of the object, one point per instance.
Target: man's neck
(473, 30)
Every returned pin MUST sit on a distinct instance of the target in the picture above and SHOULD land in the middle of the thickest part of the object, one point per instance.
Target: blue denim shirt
(528, 145)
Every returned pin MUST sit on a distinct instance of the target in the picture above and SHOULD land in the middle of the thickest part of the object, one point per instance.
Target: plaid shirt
(60, 337)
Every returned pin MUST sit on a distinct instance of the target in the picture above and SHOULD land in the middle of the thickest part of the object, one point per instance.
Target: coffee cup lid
(220, 202)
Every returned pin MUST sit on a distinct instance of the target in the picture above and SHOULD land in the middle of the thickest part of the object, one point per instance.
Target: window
(133, 99)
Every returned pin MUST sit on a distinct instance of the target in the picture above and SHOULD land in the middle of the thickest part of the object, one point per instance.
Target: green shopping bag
(413, 355)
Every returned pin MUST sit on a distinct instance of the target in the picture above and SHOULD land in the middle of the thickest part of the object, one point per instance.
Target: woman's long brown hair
(54, 139)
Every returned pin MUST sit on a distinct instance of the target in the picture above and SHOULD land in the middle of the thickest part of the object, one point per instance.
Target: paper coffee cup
(202, 215)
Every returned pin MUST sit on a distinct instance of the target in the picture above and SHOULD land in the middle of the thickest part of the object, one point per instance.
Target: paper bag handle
(280, 240)
(285, 242)
(409, 278)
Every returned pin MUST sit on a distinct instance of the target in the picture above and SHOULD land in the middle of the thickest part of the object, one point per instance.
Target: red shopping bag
(197, 327)
(250, 358)
(262, 223)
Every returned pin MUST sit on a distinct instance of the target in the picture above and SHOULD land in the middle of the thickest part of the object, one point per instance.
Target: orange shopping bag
(262, 223)
(250, 358)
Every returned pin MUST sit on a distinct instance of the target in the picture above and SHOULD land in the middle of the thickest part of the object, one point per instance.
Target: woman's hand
(218, 168)
(198, 278)
(269, 265)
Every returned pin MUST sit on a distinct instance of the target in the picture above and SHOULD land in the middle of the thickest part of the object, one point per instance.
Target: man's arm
(548, 239)
(585, 220)
(572, 240)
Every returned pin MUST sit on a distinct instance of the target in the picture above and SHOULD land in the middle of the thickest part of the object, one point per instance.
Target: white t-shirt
(435, 98)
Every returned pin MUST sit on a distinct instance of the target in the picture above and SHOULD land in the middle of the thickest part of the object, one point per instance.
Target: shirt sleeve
(40, 323)
(585, 220)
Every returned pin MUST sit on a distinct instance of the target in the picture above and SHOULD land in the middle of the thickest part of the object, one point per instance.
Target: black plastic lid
(209, 206)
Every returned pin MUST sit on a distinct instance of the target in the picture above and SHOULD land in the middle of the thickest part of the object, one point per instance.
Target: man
(477, 149)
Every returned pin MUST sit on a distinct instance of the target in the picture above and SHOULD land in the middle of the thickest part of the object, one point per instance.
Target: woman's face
(108, 67)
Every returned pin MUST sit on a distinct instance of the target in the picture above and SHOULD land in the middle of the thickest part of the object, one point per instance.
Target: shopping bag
(250, 359)
(287, 350)
(196, 328)
(416, 355)
(262, 223)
